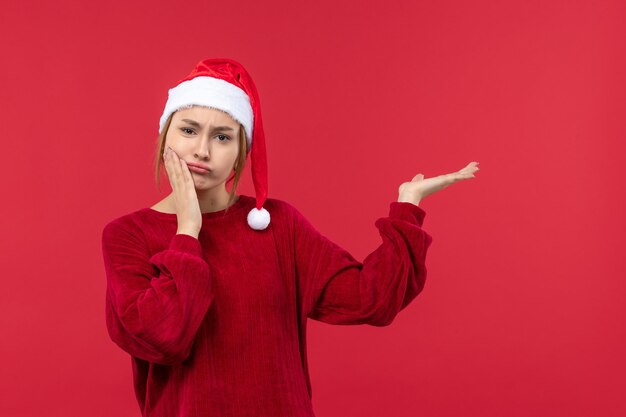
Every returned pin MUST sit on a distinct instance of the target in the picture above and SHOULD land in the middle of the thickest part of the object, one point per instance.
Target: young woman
(209, 292)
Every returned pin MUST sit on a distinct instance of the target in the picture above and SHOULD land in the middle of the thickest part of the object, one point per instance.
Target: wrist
(189, 232)
(405, 198)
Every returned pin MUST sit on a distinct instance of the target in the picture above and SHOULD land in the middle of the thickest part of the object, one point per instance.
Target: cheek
(172, 141)
(182, 146)
(228, 154)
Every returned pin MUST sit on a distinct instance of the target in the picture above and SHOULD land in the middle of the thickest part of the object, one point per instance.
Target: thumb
(418, 177)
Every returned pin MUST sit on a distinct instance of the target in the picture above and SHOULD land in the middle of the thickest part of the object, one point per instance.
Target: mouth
(197, 169)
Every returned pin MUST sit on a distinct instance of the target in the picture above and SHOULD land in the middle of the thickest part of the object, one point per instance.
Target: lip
(197, 165)
(198, 170)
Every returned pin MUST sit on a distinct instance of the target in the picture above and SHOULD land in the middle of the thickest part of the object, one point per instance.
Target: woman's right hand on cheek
(185, 197)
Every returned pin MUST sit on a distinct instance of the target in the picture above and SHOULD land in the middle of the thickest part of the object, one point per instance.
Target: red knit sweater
(216, 326)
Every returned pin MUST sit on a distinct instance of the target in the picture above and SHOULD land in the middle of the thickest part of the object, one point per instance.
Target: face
(205, 136)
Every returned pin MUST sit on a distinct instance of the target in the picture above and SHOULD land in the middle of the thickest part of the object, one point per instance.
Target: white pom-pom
(258, 219)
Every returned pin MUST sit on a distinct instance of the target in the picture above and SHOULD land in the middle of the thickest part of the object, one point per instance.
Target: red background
(523, 309)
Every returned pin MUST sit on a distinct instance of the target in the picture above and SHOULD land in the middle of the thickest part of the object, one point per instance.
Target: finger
(470, 167)
(170, 169)
(419, 176)
(185, 171)
(166, 161)
(176, 170)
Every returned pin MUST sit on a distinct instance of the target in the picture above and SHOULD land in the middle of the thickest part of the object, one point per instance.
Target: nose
(203, 149)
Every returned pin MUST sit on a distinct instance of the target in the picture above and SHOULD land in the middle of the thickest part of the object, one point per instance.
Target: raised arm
(341, 290)
(154, 304)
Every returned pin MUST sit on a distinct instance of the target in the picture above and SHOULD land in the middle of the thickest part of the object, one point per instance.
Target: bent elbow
(172, 358)
(166, 352)
(382, 321)
(158, 355)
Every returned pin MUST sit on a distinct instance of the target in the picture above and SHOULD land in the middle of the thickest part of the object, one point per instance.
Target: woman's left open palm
(419, 187)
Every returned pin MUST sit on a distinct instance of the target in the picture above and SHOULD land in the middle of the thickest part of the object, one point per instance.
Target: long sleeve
(340, 290)
(154, 304)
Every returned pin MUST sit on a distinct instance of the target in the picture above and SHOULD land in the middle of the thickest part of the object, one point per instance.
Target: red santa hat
(224, 84)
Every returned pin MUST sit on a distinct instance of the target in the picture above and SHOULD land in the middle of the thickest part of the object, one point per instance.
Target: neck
(209, 200)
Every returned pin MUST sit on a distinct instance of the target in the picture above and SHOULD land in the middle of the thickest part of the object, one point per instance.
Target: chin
(205, 183)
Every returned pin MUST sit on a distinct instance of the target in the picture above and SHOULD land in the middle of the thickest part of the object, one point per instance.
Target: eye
(224, 136)
(184, 129)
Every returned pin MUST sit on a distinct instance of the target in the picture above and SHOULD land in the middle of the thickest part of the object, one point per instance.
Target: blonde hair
(239, 164)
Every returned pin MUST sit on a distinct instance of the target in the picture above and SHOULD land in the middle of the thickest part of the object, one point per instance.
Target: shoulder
(126, 226)
(277, 204)
(289, 215)
(282, 209)
(285, 216)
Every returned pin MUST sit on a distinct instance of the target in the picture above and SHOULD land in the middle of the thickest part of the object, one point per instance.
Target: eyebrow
(214, 129)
